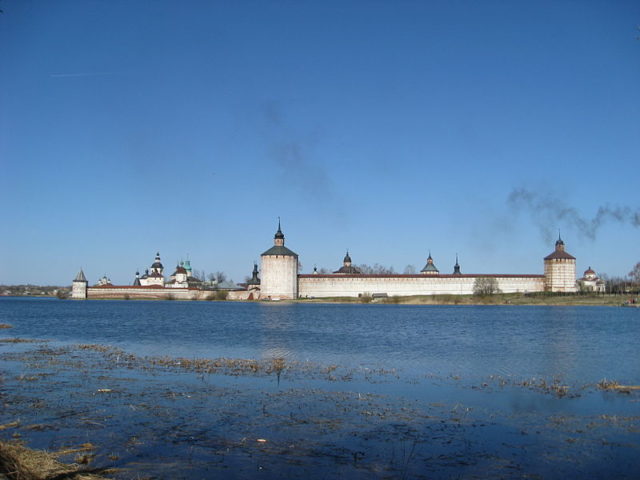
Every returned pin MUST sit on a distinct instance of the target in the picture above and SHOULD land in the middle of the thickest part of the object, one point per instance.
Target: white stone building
(590, 282)
(153, 276)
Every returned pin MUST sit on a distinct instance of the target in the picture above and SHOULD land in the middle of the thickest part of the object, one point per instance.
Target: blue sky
(390, 128)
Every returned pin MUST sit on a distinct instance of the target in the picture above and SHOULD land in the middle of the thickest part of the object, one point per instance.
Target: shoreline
(509, 299)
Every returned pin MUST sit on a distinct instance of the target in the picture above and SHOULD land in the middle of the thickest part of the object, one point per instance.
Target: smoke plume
(549, 212)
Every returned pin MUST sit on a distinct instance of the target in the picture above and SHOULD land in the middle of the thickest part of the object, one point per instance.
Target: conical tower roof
(80, 277)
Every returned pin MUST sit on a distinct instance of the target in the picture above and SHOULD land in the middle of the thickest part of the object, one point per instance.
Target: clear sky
(390, 128)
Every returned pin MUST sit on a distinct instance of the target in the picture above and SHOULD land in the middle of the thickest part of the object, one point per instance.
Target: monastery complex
(281, 280)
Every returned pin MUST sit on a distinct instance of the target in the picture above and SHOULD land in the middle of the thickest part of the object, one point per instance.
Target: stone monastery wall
(320, 286)
(141, 293)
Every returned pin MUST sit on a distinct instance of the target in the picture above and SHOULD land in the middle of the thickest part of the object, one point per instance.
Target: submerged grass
(612, 385)
(18, 462)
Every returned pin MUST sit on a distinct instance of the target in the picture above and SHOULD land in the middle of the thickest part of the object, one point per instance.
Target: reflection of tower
(560, 270)
(279, 270)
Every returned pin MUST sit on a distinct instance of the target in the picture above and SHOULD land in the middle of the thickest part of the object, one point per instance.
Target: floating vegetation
(5, 325)
(21, 340)
(552, 386)
(612, 385)
(20, 463)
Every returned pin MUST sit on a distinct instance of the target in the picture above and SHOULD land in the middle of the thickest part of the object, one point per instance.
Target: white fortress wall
(320, 286)
(147, 293)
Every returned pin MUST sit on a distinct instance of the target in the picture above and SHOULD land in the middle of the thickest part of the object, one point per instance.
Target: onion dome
(157, 264)
(180, 269)
(347, 268)
(279, 234)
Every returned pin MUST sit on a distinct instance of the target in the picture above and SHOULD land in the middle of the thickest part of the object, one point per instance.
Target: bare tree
(376, 269)
(220, 277)
(635, 273)
(485, 286)
(200, 275)
(409, 270)
(324, 271)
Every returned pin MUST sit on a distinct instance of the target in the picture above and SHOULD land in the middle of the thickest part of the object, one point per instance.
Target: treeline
(623, 285)
(33, 290)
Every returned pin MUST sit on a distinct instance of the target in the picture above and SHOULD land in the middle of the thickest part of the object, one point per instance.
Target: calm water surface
(578, 344)
(453, 399)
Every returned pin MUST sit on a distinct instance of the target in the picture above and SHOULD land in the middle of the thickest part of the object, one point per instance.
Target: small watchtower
(430, 268)
(79, 286)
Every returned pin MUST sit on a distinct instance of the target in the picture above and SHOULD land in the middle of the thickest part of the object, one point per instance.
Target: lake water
(433, 361)
(579, 344)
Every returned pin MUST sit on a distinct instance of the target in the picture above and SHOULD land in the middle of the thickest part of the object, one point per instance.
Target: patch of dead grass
(18, 462)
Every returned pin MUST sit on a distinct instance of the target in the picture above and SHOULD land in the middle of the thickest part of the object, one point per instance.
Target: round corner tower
(79, 286)
(560, 270)
(279, 271)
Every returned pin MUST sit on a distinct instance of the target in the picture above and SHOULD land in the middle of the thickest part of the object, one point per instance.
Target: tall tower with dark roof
(560, 270)
(279, 270)
(79, 286)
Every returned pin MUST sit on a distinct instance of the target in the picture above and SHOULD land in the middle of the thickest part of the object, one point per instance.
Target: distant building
(279, 280)
(154, 275)
(347, 267)
(590, 282)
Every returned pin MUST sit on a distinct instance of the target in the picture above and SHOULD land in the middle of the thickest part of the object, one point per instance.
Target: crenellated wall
(321, 286)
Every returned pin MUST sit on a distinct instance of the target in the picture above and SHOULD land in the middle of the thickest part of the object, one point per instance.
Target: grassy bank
(541, 298)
